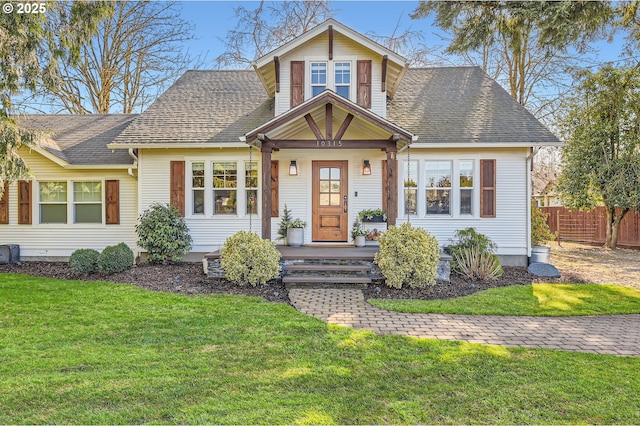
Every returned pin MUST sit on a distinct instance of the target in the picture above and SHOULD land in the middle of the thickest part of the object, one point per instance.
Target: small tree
(540, 232)
(285, 220)
(163, 233)
(601, 157)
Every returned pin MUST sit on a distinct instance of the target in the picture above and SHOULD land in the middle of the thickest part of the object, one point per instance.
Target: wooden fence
(589, 227)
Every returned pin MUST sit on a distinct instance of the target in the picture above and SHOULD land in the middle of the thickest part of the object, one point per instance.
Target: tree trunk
(613, 222)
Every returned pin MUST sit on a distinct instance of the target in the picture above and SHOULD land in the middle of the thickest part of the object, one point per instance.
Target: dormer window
(318, 77)
(342, 78)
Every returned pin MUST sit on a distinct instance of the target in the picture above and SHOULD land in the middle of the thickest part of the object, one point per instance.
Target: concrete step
(333, 268)
(325, 282)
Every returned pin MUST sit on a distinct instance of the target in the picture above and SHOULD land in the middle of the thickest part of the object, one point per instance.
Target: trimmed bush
(408, 256)
(248, 259)
(84, 261)
(114, 259)
(163, 233)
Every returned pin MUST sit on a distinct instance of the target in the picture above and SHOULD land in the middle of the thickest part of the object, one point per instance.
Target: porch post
(392, 186)
(266, 190)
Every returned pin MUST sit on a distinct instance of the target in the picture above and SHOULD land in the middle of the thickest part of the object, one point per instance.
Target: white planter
(540, 254)
(295, 237)
(359, 240)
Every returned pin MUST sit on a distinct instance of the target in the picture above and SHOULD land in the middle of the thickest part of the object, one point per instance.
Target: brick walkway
(607, 334)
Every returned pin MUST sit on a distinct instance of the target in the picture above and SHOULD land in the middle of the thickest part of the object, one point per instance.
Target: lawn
(85, 352)
(531, 300)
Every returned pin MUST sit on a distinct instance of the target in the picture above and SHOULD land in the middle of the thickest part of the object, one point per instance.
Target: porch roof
(347, 122)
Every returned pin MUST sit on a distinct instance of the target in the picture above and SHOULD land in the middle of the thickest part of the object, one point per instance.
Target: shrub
(114, 259)
(473, 255)
(84, 261)
(248, 259)
(408, 256)
(476, 264)
(285, 220)
(540, 231)
(163, 233)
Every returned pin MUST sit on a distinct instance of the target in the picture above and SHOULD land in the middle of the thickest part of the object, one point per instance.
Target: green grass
(531, 300)
(79, 352)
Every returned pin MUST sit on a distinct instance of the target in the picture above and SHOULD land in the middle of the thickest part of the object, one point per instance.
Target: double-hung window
(466, 187)
(53, 202)
(411, 188)
(225, 184)
(342, 78)
(197, 186)
(318, 77)
(251, 186)
(87, 202)
(438, 187)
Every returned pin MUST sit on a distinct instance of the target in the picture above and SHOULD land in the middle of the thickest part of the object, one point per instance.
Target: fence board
(589, 227)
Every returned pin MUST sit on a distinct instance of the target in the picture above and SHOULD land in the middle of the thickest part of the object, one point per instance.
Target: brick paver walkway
(607, 334)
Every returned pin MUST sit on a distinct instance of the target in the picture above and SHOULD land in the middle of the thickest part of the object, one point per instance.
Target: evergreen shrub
(163, 233)
(84, 261)
(473, 255)
(114, 259)
(408, 256)
(248, 259)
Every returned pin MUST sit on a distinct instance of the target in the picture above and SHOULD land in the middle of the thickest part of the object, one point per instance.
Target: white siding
(60, 240)
(344, 49)
(509, 229)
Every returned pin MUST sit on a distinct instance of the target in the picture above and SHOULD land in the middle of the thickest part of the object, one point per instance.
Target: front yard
(91, 352)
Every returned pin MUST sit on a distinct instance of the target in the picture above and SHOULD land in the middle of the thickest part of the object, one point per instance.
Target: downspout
(133, 155)
(534, 151)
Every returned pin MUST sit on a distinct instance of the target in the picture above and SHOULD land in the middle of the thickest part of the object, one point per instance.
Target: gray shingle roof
(81, 139)
(203, 107)
(462, 105)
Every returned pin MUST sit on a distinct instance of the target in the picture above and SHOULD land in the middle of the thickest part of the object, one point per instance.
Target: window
(438, 187)
(225, 184)
(466, 187)
(251, 186)
(53, 202)
(87, 202)
(197, 186)
(342, 80)
(411, 188)
(318, 77)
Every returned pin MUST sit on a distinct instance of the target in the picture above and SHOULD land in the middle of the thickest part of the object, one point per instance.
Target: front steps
(326, 273)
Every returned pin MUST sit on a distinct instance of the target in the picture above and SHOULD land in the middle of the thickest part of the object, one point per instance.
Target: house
(329, 124)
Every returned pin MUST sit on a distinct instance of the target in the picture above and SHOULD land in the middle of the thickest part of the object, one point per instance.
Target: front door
(330, 195)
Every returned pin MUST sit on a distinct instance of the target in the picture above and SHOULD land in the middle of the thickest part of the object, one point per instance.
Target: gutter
(133, 155)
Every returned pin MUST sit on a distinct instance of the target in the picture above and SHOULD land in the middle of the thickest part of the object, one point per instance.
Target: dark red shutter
(297, 83)
(24, 202)
(364, 84)
(4, 205)
(177, 193)
(112, 207)
(275, 183)
(487, 188)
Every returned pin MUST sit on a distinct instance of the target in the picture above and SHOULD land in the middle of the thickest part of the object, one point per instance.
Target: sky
(212, 20)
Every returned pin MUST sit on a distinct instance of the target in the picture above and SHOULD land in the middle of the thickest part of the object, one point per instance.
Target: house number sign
(328, 144)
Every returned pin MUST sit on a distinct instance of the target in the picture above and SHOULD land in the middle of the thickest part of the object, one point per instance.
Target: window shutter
(364, 84)
(297, 83)
(176, 196)
(4, 205)
(487, 188)
(112, 206)
(275, 182)
(24, 202)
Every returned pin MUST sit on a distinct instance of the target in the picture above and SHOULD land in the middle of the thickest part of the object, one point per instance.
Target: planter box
(377, 219)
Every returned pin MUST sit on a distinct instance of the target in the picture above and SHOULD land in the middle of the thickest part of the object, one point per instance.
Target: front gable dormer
(332, 57)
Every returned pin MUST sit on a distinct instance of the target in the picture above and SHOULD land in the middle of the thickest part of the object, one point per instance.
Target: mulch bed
(188, 278)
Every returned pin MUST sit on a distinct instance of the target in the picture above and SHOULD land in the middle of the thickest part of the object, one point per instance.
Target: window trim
(75, 203)
(70, 203)
(330, 69)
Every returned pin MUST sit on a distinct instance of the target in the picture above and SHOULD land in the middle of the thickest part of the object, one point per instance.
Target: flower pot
(295, 237)
(359, 240)
(540, 254)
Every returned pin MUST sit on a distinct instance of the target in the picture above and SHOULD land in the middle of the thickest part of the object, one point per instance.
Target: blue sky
(212, 20)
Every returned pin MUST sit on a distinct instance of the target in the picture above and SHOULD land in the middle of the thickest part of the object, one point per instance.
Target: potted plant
(295, 232)
(358, 233)
(284, 224)
(540, 235)
(373, 215)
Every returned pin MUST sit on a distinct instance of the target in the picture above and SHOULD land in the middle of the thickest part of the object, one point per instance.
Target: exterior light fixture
(366, 168)
(293, 168)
